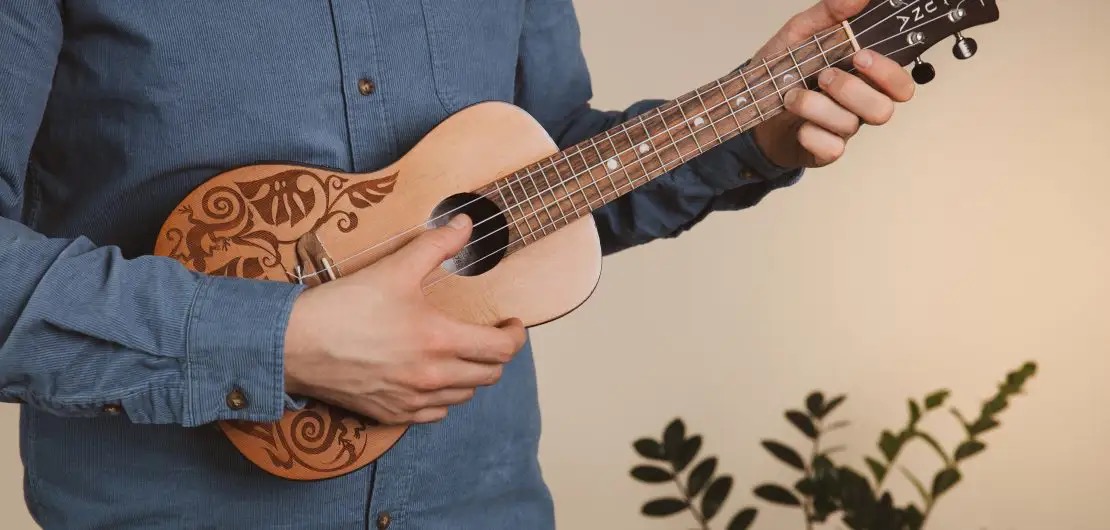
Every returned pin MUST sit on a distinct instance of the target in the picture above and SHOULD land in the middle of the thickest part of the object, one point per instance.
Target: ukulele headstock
(904, 29)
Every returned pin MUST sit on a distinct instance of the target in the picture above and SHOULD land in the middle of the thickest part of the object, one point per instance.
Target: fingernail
(790, 97)
(864, 59)
(825, 78)
(457, 222)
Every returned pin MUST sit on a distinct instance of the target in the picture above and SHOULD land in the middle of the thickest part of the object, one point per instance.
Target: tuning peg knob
(923, 72)
(965, 47)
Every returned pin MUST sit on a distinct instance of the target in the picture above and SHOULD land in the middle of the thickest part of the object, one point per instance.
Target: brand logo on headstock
(919, 13)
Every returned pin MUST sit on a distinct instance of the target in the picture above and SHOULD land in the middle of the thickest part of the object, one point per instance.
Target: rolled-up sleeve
(554, 86)
(84, 331)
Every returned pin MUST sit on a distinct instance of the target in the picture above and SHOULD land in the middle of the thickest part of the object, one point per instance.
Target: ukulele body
(263, 221)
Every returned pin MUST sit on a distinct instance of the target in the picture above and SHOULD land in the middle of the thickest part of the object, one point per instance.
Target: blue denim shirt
(111, 112)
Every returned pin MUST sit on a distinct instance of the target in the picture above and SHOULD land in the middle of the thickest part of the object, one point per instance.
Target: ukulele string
(651, 138)
(475, 262)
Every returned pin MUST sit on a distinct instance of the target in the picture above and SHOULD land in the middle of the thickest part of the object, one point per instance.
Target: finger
(824, 146)
(486, 344)
(820, 17)
(822, 110)
(852, 93)
(429, 415)
(463, 374)
(430, 249)
(447, 397)
(885, 74)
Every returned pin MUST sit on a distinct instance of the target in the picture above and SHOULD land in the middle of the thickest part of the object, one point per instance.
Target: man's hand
(369, 342)
(816, 127)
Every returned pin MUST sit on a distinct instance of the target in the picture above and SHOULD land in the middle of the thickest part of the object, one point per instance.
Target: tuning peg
(965, 47)
(923, 72)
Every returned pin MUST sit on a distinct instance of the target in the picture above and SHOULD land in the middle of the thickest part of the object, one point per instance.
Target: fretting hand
(369, 342)
(817, 125)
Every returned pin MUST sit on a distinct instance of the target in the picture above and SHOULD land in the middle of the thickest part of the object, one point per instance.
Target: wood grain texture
(246, 223)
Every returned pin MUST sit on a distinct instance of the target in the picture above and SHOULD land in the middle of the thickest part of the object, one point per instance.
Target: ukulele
(534, 252)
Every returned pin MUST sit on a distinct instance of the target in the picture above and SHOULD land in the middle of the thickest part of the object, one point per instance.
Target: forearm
(82, 328)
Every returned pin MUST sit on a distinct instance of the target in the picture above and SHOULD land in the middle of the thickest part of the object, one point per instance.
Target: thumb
(428, 250)
(817, 18)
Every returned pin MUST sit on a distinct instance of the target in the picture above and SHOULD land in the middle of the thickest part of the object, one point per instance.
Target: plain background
(966, 237)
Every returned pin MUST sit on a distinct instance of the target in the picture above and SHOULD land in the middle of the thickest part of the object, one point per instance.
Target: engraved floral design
(332, 437)
(244, 215)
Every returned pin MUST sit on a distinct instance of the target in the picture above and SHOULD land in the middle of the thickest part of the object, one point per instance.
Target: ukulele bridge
(316, 265)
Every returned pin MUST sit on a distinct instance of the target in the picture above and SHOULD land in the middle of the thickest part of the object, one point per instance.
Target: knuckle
(429, 379)
(883, 113)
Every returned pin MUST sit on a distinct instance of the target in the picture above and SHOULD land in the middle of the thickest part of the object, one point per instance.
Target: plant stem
(807, 506)
(690, 504)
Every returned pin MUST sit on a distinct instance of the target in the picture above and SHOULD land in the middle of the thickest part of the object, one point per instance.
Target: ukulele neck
(558, 190)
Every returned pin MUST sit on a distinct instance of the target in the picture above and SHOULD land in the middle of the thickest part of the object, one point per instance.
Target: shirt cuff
(236, 350)
(755, 164)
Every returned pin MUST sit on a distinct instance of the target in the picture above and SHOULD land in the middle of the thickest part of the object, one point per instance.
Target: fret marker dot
(698, 121)
(612, 163)
(741, 101)
(644, 148)
(788, 78)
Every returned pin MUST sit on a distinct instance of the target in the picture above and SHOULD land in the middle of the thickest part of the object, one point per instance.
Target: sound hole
(489, 239)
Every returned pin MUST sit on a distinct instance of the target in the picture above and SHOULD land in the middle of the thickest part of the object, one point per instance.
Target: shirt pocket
(474, 46)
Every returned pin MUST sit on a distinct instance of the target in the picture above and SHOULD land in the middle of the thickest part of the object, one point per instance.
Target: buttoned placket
(370, 141)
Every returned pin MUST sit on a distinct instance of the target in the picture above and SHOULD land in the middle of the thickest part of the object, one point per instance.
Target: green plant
(825, 488)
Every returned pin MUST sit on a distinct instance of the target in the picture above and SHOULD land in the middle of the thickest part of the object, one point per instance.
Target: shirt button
(236, 400)
(111, 409)
(366, 87)
(383, 520)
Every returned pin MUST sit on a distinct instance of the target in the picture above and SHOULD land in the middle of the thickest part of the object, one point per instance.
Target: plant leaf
(994, 406)
(649, 448)
(743, 520)
(877, 469)
(715, 496)
(651, 474)
(917, 484)
(832, 404)
(944, 481)
(700, 476)
(787, 455)
(673, 436)
(889, 445)
(969, 449)
(915, 412)
(687, 453)
(936, 399)
(777, 494)
(664, 507)
(982, 425)
(815, 403)
(802, 422)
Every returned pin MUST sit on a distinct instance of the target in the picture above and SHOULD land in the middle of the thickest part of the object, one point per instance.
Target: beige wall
(969, 235)
(964, 238)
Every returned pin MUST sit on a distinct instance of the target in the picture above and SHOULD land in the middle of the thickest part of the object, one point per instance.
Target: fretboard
(555, 191)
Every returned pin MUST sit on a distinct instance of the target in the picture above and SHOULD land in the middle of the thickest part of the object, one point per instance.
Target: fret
(667, 129)
(523, 216)
(751, 94)
(686, 120)
(728, 102)
(608, 166)
(589, 176)
(563, 182)
(650, 142)
(631, 185)
(539, 220)
(708, 115)
(798, 68)
(551, 189)
(772, 74)
(821, 50)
